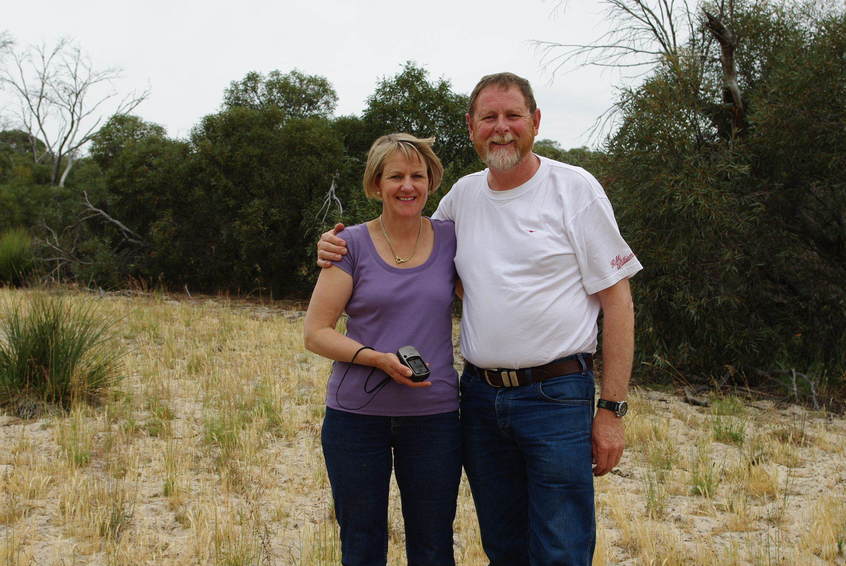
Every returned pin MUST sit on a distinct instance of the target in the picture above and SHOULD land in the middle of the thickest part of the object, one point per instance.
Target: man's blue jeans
(426, 454)
(527, 454)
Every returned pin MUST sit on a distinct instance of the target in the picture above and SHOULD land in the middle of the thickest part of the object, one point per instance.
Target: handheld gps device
(410, 357)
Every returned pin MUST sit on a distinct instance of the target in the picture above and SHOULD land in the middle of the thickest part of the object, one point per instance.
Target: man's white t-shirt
(531, 260)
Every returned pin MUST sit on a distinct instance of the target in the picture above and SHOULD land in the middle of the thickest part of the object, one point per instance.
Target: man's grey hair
(504, 80)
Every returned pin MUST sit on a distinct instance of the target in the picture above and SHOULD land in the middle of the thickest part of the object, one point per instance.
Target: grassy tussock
(57, 351)
(208, 453)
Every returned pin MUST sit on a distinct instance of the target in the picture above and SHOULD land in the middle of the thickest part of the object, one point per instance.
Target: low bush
(57, 351)
(16, 256)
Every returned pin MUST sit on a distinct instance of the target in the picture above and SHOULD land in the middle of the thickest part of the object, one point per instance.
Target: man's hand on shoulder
(330, 247)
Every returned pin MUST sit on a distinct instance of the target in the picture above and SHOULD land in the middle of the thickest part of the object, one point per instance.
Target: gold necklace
(397, 259)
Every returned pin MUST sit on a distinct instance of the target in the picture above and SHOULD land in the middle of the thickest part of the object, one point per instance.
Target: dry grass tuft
(792, 435)
(826, 535)
(95, 511)
(13, 551)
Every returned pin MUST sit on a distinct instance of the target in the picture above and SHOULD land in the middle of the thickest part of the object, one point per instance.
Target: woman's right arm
(331, 294)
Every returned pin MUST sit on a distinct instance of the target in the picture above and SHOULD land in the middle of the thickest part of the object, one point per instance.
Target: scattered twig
(794, 385)
(691, 399)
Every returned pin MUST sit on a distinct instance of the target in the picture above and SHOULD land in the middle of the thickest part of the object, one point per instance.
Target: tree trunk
(68, 167)
(731, 91)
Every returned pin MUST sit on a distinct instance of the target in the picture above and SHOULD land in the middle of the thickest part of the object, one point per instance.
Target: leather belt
(502, 377)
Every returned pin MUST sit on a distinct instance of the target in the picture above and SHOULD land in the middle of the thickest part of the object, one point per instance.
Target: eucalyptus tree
(62, 99)
(296, 94)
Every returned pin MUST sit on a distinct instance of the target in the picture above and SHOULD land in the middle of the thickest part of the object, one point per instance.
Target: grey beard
(502, 160)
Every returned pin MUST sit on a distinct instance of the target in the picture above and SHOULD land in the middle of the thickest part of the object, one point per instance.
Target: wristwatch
(618, 408)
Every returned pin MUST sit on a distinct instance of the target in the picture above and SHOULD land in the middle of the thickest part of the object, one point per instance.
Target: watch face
(618, 408)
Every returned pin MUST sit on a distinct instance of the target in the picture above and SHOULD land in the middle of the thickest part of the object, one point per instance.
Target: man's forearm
(617, 341)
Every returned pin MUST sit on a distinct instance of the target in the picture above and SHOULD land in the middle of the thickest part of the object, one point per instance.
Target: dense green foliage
(295, 94)
(240, 203)
(16, 256)
(55, 351)
(406, 102)
(741, 232)
(409, 102)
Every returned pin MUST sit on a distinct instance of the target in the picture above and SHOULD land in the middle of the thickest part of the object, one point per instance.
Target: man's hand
(608, 439)
(330, 247)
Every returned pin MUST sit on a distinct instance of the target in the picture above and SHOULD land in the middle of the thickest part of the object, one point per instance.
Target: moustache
(502, 139)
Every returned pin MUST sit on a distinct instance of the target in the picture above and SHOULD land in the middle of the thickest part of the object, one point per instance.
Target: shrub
(56, 351)
(740, 230)
(16, 256)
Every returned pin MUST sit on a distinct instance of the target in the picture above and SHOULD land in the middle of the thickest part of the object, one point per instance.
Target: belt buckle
(508, 377)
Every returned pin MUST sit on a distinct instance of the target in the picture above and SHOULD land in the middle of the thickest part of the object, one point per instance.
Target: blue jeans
(527, 454)
(426, 455)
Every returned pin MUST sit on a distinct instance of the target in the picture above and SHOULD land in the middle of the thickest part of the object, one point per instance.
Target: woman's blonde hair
(410, 147)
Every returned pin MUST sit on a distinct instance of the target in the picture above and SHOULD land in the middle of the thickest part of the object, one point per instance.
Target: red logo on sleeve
(619, 261)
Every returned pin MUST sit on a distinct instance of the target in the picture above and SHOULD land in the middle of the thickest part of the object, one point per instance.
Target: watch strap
(619, 408)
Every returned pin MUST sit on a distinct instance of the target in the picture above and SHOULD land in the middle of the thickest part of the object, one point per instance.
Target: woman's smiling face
(403, 185)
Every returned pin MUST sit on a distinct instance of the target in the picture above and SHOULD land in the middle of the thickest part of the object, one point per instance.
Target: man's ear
(536, 116)
(469, 120)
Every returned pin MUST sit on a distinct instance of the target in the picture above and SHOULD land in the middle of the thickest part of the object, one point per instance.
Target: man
(539, 254)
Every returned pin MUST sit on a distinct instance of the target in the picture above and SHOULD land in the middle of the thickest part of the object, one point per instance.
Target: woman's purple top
(390, 308)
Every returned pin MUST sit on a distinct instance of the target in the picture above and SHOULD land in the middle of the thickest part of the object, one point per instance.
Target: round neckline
(371, 245)
(516, 192)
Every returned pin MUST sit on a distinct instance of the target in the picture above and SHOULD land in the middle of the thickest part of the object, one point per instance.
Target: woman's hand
(390, 364)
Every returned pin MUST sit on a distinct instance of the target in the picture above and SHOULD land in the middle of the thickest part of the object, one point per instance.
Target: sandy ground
(776, 496)
(778, 519)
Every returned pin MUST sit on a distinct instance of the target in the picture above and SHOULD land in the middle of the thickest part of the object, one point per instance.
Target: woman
(396, 285)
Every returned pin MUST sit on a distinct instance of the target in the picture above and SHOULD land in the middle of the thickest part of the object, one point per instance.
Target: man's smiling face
(502, 128)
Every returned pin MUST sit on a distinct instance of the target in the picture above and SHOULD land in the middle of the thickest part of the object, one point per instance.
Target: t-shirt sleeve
(604, 257)
(445, 207)
(348, 261)
(446, 230)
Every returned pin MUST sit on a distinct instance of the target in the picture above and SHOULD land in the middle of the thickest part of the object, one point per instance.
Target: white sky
(188, 51)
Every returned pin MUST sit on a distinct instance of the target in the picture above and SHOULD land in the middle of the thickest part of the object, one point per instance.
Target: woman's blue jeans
(527, 454)
(426, 455)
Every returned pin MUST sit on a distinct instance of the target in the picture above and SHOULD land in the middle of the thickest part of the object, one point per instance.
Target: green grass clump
(56, 351)
(729, 430)
(16, 256)
(728, 406)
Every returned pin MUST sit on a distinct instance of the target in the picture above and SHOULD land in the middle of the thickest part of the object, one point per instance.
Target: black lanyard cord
(372, 392)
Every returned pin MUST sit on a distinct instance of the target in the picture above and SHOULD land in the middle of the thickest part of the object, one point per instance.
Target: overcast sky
(188, 51)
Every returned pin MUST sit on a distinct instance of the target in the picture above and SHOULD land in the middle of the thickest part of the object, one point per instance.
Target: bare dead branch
(640, 35)
(63, 100)
(603, 125)
(128, 234)
(330, 199)
(812, 382)
(63, 256)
